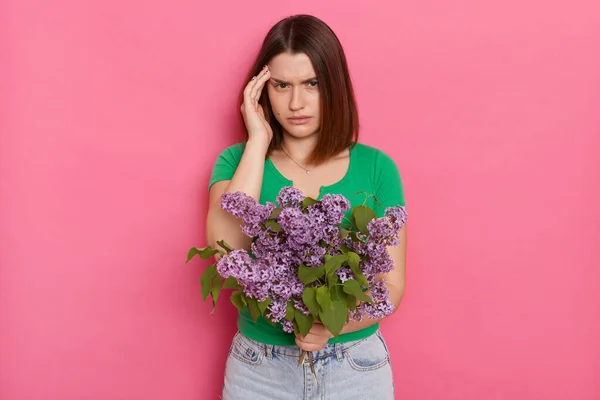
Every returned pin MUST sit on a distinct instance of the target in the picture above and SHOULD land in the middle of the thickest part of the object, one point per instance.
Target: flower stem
(312, 368)
(310, 362)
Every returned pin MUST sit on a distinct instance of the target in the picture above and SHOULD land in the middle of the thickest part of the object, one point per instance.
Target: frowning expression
(294, 94)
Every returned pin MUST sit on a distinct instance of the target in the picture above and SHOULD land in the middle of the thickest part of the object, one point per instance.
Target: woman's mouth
(298, 120)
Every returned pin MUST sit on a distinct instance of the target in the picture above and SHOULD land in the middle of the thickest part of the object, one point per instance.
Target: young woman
(302, 128)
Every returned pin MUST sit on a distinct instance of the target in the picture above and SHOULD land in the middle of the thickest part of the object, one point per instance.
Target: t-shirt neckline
(322, 189)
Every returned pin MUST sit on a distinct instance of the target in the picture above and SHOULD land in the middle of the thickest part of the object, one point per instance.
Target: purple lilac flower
(300, 229)
(335, 206)
(383, 232)
(276, 310)
(345, 273)
(380, 264)
(287, 326)
(355, 315)
(251, 212)
(377, 310)
(386, 229)
(305, 238)
(290, 197)
(253, 275)
(234, 264)
(381, 306)
(276, 313)
(331, 235)
(379, 291)
(314, 256)
(299, 305)
(397, 215)
(265, 243)
(281, 289)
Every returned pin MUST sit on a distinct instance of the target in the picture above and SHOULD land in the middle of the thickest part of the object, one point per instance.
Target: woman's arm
(318, 336)
(220, 225)
(395, 281)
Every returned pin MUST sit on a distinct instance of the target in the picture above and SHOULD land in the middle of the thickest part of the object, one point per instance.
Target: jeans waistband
(330, 350)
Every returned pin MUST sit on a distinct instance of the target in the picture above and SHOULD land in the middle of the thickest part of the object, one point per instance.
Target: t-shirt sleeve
(226, 164)
(388, 184)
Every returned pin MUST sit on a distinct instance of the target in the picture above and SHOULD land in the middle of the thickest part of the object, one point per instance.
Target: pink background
(113, 113)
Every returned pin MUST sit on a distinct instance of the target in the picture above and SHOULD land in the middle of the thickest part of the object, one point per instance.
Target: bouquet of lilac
(307, 261)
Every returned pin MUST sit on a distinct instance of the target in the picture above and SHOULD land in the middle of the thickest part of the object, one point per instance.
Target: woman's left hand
(315, 339)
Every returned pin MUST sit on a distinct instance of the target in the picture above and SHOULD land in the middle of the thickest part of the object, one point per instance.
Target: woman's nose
(297, 101)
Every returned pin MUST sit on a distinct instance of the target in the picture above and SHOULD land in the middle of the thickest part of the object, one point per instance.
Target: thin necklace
(288, 156)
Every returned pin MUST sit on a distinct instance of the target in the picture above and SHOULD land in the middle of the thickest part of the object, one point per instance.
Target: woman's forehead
(291, 67)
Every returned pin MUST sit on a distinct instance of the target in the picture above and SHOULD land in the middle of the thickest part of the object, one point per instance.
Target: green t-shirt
(370, 171)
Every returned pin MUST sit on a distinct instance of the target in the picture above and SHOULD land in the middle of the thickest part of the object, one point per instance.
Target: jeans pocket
(246, 350)
(368, 354)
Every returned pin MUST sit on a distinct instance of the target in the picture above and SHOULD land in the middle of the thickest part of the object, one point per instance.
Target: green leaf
(337, 293)
(309, 297)
(271, 223)
(205, 253)
(355, 237)
(361, 216)
(206, 278)
(358, 275)
(253, 308)
(334, 263)
(215, 289)
(343, 233)
(305, 322)
(332, 280)
(236, 299)
(360, 278)
(334, 316)
(275, 213)
(309, 201)
(353, 287)
(262, 306)
(231, 283)
(351, 302)
(310, 274)
(345, 249)
(290, 310)
(323, 296)
(353, 260)
(224, 245)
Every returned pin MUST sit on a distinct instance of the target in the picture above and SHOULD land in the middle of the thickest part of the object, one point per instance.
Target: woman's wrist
(260, 146)
(353, 326)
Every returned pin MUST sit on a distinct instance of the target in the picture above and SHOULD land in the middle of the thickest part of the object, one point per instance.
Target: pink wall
(113, 112)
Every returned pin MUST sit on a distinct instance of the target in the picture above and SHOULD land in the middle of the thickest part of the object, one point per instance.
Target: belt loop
(269, 351)
(338, 351)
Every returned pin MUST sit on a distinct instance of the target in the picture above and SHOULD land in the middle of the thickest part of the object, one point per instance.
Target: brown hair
(339, 115)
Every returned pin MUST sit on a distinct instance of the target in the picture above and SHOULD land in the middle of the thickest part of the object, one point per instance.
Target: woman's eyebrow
(314, 78)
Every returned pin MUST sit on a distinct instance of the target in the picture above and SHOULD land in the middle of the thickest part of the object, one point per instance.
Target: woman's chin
(301, 131)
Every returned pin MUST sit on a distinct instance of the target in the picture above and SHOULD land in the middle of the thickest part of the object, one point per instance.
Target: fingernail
(253, 78)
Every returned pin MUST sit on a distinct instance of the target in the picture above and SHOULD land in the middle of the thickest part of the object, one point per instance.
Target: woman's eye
(281, 86)
(313, 83)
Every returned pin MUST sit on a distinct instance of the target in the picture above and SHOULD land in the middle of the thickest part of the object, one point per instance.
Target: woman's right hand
(258, 128)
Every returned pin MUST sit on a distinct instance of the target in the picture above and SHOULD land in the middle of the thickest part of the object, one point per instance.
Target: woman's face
(294, 94)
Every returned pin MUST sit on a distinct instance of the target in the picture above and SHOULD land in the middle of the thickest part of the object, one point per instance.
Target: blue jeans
(353, 370)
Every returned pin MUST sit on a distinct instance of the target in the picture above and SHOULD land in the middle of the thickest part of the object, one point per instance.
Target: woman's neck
(300, 149)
